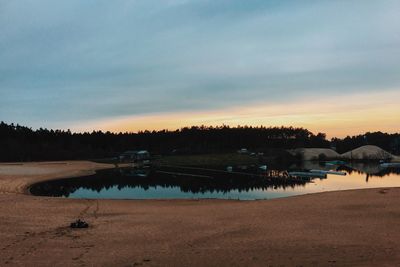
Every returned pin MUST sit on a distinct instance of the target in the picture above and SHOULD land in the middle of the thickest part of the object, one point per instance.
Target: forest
(21, 143)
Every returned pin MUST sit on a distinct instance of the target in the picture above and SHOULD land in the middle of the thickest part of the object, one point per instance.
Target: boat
(335, 162)
(390, 165)
(329, 172)
(307, 174)
(263, 167)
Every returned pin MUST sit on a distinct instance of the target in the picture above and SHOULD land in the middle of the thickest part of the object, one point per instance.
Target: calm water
(193, 183)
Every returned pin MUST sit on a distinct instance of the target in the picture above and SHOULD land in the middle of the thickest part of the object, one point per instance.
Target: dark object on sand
(79, 224)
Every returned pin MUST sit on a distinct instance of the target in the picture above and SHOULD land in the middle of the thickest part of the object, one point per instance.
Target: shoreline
(343, 228)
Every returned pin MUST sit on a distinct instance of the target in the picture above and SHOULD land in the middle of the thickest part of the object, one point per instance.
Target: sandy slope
(367, 152)
(348, 228)
(313, 153)
(363, 152)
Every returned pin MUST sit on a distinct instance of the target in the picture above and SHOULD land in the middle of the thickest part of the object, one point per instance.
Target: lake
(244, 183)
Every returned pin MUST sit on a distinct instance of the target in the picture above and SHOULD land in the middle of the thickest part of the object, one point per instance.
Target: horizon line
(194, 126)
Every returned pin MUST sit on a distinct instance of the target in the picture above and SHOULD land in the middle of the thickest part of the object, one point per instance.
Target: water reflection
(368, 170)
(372, 169)
(165, 178)
(196, 183)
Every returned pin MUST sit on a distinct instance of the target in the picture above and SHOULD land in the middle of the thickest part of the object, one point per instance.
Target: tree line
(386, 141)
(21, 143)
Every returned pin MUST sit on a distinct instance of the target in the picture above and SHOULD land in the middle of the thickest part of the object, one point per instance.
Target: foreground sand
(348, 228)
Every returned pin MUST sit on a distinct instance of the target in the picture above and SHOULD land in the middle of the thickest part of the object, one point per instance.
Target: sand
(367, 152)
(314, 153)
(347, 228)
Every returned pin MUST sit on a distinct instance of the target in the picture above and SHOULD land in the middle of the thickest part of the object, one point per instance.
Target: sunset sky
(329, 66)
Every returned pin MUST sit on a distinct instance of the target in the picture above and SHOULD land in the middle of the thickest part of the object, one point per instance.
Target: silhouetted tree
(19, 143)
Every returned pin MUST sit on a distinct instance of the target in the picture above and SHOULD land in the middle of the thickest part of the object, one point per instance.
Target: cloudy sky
(330, 66)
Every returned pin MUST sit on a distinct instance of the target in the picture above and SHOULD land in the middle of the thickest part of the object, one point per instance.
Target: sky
(329, 66)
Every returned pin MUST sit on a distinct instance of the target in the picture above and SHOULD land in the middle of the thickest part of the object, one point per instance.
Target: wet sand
(347, 228)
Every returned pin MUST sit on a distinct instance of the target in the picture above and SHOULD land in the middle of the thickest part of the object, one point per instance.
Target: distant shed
(135, 156)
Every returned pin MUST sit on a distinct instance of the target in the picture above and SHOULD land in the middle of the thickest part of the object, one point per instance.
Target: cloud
(338, 116)
(80, 61)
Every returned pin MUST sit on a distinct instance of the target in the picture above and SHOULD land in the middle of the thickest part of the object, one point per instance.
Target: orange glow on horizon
(335, 116)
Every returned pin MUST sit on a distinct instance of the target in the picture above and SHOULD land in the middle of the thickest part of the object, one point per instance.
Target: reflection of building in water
(134, 172)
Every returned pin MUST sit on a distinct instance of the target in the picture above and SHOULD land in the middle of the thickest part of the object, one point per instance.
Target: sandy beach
(346, 228)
